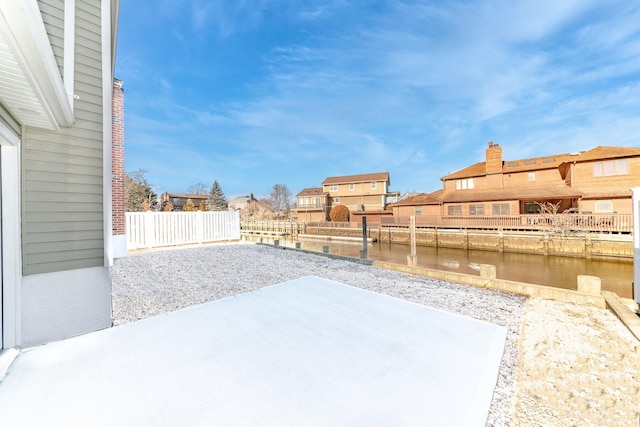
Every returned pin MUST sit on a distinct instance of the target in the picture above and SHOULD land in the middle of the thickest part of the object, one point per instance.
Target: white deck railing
(157, 229)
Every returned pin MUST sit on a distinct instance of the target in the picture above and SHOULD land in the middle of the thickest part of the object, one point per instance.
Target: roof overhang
(31, 86)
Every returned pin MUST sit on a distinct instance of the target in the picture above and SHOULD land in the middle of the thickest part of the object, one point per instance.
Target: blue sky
(254, 92)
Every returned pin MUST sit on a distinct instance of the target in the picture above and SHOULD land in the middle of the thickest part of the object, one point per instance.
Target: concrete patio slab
(305, 352)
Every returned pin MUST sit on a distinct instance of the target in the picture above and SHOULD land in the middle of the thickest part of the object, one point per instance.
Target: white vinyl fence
(156, 229)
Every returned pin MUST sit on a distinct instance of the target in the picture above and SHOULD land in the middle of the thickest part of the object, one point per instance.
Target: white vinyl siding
(63, 220)
(53, 18)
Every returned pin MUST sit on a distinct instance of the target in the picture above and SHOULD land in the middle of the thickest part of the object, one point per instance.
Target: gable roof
(312, 191)
(546, 162)
(434, 198)
(366, 177)
(604, 152)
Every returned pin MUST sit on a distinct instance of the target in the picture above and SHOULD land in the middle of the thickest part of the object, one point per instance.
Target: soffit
(30, 83)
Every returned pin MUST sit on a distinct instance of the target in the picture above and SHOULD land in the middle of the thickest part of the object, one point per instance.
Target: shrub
(339, 213)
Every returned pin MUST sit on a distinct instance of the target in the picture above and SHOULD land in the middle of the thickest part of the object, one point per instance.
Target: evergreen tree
(217, 201)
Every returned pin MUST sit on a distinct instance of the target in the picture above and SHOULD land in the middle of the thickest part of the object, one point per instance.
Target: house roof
(187, 196)
(312, 191)
(546, 162)
(523, 193)
(604, 152)
(366, 177)
(434, 198)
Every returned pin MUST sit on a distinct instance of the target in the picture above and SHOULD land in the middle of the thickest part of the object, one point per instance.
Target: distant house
(595, 181)
(362, 194)
(56, 93)
(420, 204)
(237, 203)
(255, 209)
(312, 205)
(176, 201)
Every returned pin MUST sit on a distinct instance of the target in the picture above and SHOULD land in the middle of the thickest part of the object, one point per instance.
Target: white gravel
(148, 284)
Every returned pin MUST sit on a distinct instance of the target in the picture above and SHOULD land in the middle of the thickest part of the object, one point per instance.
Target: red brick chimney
(494, 159)
(117, 158)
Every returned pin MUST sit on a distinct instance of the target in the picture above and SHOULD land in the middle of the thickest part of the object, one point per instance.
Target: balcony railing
(607, 223)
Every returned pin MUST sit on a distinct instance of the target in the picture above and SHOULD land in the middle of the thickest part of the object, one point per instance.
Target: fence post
(149, 229)
(199, 226)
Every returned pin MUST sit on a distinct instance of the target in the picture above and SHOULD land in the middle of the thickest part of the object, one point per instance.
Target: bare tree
(197, 188)
(139, 195)
(558, 221)
(280, 200)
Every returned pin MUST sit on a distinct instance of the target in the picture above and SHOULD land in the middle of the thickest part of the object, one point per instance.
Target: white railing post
(149, 229)
(200, 226)
(636, 242)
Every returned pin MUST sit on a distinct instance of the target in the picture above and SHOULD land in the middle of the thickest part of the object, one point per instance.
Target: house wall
(584, 179)
(65, 285)
(427, 210)
(543, 177)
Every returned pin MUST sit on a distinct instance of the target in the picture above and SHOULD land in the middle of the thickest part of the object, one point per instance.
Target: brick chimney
(117, 170)
(494, 159)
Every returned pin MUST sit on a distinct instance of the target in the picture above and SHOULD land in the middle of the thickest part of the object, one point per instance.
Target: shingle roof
(523, 193)
(366, 177)
(546, 162)
(312, 191)
(604, 152)
(434, 198)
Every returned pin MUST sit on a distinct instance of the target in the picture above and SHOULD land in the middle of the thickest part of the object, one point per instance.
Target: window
(500, 209)
(531, 176)
(316, 202)
(604, 206)
(464, 184)
(454, 210)
(336, 199)
(418, 210)
(476, 209)
(333, 187)
(611, 167)
(531, 208)
(352, 187)
(374, 185)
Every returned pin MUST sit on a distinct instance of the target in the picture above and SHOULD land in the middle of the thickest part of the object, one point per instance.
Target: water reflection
(560, 272)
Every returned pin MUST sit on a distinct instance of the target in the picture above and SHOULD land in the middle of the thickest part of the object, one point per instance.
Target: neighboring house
(420, 205)
(237, 203)
(256, 210)
(56, 83)
(312, 205)
(364, 194)
(177, 201)
(594, 181)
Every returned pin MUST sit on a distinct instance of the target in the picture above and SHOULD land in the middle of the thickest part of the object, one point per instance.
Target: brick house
(595, 181)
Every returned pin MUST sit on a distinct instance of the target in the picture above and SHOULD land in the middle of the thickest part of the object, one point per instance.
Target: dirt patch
(577, 366)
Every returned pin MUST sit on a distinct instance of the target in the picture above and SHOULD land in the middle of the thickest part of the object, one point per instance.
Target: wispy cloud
(308, 89)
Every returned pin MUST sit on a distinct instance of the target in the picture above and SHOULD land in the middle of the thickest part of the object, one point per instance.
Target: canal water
(560, 272)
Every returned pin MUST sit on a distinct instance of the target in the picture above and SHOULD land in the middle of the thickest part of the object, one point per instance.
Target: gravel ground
(148, 284)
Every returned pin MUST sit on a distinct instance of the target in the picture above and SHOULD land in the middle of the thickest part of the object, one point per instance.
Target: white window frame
(603, 206)
(499, 207)
(374, 185)
(333, 187)
(336, 200)
(454, 210)
(531, 176)
(473, 209)
(352, 187)
(417, 210)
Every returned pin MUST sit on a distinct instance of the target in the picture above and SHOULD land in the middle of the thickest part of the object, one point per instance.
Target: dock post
(363, 252)
(412, 260)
